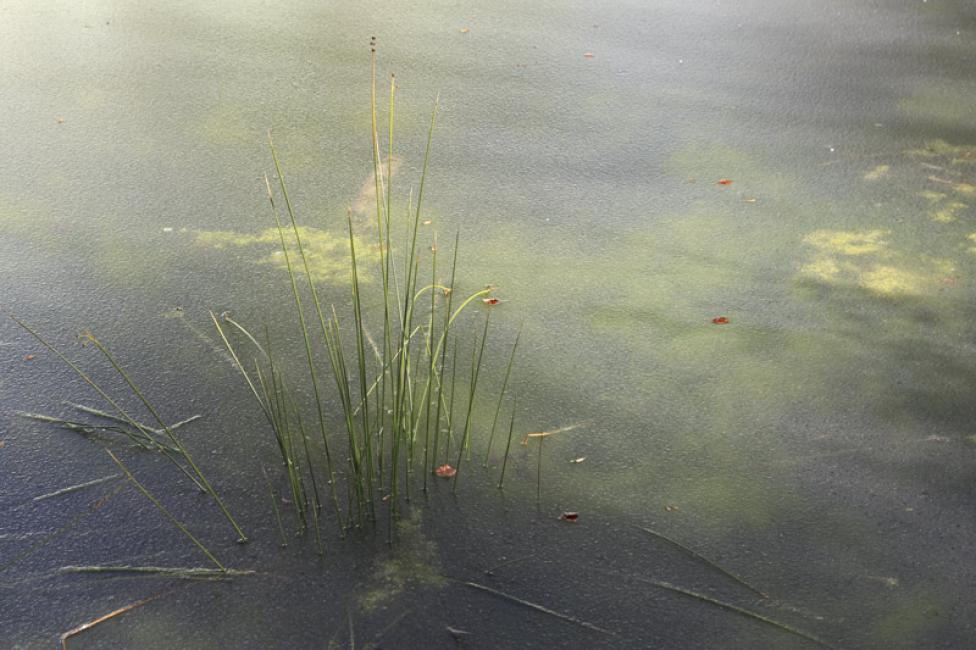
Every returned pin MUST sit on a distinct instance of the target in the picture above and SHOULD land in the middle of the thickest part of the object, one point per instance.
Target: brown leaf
(445, 471)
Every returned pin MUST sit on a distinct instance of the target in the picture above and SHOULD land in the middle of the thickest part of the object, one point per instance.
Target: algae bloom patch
(865, 259)
(327, 253)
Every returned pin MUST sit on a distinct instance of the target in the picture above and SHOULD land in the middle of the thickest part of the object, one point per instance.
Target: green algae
(327, 253)
(411, 563)
(866, 259)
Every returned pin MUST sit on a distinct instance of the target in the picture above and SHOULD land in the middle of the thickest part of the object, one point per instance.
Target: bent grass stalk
(183, 529)
(169, 434)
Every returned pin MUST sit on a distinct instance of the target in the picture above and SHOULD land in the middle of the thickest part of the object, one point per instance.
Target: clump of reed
(399, 409)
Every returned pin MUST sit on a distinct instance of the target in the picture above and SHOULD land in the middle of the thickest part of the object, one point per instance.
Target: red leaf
(569, 516)
(490, 301)
(29, 357)
(721, 320)
(725, 181)
(445, 471)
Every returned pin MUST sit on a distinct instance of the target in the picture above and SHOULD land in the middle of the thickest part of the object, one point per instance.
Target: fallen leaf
(671, 508)
(3, 443)
(588, 55)
(445, 471)
(464, 30)
(569, 516)
(725, 181)
(578, 460)
(750, 199)
(490, 301)
(721, 320)
(29, 357)
(59, 120)
(428, 222)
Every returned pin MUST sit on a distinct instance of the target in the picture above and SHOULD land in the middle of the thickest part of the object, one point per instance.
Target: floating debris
(570, 516)
(445, 471)
(546, 434)
(577, 461)
(724, 181)
(186, 573)
(75, 631)
(721, 320)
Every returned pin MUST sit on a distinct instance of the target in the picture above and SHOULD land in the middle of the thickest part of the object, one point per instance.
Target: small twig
(101, 619)
(540, 608)
(546, 434)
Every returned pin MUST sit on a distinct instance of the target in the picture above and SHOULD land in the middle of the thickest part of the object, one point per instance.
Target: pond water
(625, 174)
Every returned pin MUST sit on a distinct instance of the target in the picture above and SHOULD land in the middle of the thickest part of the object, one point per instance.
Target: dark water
(819, 445)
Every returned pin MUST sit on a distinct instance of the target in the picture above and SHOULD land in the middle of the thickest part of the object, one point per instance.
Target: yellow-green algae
(412, 561)
(327, 253)
(866, 259)
(879, 172)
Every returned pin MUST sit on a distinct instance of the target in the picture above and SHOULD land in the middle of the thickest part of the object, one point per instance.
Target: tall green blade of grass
(428, 390)
(301, 312)
(508, 445)
(501, 396)
(383, 239)
(472, 391)
(367, 445)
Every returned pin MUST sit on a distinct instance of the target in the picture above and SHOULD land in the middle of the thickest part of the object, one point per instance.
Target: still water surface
(819, 444)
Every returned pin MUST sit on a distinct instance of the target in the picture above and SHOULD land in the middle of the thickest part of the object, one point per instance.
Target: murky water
(819, 444)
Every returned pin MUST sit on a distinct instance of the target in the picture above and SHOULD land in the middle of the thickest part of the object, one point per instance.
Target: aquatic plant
(394, 403)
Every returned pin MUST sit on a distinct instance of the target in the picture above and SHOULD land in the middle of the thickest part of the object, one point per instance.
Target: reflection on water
(819, 444)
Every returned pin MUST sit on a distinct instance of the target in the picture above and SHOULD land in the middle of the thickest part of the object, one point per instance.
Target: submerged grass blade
(701, 558)
(539, 608)
(75, 488)
(34, 548)
(738, 610)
